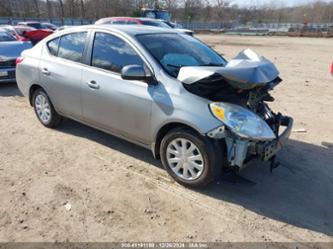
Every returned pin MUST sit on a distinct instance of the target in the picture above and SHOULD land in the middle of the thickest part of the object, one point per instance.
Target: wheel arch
(164, 130)
(32, 89)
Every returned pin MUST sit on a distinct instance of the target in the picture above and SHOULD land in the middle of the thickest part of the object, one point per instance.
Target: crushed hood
(246, 71)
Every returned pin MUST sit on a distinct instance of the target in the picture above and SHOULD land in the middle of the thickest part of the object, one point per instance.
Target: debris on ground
(68, 206)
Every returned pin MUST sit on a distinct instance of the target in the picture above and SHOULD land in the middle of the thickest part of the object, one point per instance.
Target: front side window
(174, 51)
(112, 53)
(71, 46)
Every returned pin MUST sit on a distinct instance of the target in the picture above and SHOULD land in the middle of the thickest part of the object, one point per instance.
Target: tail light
(332, 68)
(19, 60)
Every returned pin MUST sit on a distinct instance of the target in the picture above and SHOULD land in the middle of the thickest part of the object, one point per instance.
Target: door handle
(46, 71)
(93, 84)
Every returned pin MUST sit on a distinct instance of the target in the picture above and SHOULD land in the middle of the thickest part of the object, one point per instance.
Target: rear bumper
(9, 76)
(267, 150)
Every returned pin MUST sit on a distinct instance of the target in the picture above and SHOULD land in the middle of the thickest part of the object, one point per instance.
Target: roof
(129, 18)
(131, 30)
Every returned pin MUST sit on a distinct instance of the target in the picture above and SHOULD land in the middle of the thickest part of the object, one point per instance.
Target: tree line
(222, 11)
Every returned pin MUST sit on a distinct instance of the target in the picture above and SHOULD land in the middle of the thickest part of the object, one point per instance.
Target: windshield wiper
(176, 66)
(212, 65)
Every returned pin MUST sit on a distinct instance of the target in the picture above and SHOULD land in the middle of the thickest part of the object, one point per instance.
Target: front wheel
(44, 109)
(189, 158)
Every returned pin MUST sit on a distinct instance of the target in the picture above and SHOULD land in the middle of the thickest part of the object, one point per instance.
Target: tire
(44, 109)
(210, 157)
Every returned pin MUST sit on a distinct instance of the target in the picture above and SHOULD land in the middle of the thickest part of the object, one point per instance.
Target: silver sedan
(160, 89)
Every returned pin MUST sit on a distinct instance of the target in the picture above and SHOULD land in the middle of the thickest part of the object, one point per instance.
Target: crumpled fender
(246, 71)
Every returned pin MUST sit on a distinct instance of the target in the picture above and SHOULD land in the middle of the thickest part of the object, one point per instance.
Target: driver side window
(112, 53)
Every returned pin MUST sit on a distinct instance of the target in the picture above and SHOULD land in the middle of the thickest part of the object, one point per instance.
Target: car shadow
(299, 192)
(113, 142)
(9, 90)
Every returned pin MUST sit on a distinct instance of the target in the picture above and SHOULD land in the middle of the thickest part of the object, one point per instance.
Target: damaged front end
(239, 93)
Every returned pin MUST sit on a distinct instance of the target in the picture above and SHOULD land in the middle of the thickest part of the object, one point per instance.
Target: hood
(246, 71)
(13, 49)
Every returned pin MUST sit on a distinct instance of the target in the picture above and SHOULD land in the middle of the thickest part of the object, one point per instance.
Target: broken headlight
(242, 122)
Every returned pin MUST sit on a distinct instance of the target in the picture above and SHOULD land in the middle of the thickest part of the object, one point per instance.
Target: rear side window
(53, 46)
(71, 46)
(112, 53)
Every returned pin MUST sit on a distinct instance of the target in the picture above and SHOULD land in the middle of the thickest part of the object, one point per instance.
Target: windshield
(155, 24)
(11, 31)
(4, 37)
(174, 51)
(35, 25)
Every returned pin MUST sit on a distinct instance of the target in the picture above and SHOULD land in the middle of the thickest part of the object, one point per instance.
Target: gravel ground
(78, 184)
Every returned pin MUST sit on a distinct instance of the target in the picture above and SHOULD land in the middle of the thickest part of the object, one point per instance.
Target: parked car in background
(141, 21)
(47, 25)
(156, 14)
(160, 89)
(22, 30)
(14, 32)
(10, 49)
(178, 27)
(37, 31)
(36, 25)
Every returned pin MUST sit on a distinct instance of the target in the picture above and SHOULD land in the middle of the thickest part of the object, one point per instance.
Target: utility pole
(62, 11)
(83, 14)
(48, 7)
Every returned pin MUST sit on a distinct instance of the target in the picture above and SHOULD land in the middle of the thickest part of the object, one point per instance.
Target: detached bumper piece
(267, 150)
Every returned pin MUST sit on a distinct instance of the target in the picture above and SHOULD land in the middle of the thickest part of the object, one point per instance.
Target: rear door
(109, 102)
(61, 72)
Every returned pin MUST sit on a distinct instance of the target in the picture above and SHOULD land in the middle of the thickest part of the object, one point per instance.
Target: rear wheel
(189, 158)
(44, 109)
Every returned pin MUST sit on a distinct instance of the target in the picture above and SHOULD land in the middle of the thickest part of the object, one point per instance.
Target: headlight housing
(242, 121)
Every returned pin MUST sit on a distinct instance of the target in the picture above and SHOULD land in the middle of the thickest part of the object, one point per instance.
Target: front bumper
(7, 75)
(241, 151)
(267, 150)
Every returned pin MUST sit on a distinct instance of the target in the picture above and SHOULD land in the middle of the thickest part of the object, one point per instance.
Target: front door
(108, 101)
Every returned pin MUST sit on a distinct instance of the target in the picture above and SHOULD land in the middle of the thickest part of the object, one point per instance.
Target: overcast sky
(279, 2)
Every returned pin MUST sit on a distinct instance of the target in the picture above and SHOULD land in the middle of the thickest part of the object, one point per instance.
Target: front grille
(9, 63)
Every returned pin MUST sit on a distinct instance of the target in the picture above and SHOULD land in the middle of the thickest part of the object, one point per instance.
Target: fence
(188, 25)
(58, 22)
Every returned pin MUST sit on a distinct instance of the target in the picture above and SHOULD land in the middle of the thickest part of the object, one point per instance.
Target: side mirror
(136, 72)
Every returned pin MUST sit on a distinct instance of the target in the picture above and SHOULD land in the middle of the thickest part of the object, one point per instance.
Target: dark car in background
(47, 25)
(10, 50)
